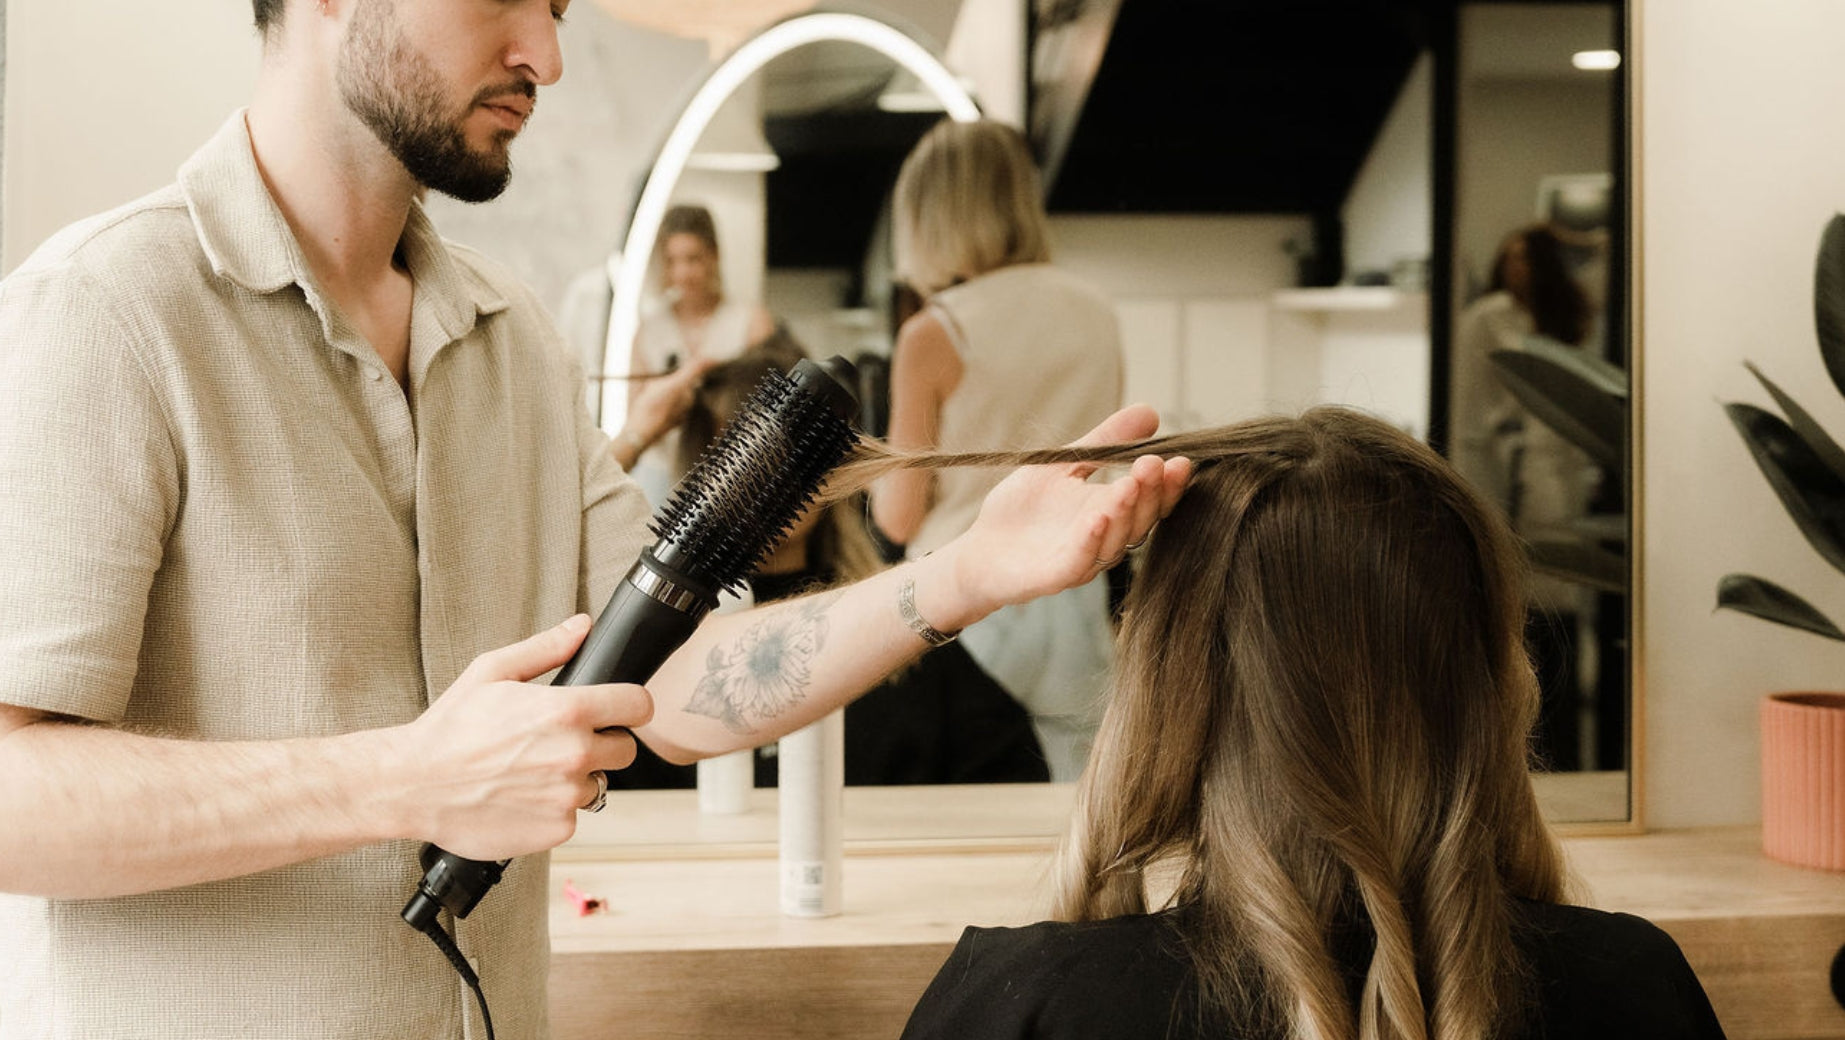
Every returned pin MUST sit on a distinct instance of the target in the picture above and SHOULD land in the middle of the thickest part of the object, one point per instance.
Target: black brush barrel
(746, 491)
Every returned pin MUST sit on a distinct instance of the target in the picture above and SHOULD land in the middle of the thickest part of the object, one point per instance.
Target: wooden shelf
(696, 947)
(1348, 298)
(949, 818)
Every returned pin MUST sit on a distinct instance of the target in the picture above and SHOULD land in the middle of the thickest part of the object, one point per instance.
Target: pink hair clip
(586, 903)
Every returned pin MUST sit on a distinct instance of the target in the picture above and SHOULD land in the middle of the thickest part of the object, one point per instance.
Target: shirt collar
(249, 242)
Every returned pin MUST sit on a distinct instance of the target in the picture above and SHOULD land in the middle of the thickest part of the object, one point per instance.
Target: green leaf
(1759, 597)
(1829, 299)
(1809, 430)
(1582, 398)
(1813, 494)
(1581, 563)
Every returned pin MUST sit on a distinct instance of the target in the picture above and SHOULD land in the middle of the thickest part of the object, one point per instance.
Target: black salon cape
(1597, 975)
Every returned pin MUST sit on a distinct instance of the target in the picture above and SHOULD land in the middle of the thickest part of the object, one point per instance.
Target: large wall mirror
(1289, 203)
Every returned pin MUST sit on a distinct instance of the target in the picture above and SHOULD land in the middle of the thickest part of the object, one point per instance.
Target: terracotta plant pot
(1803, 779)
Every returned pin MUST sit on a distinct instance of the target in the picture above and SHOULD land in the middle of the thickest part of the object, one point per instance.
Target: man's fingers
(1122, 511)
(530, 658)
(615, 705)
(1148, 474)
(1133, 423)
(693, 373)
(1136, 502)
(613, 749)
(1175, 476)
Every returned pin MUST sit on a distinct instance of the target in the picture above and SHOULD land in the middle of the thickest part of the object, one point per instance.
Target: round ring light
(779, 39)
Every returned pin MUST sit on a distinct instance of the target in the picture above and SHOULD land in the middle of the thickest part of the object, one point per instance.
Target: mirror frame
(1629, 42)
(1626, 165)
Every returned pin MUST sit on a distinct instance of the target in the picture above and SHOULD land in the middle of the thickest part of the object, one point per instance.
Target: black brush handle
(724, 516)
(638, 631)
(650, 615)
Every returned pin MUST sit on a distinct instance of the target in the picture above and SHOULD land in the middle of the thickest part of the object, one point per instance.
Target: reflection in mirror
(1303, 252)
(1537, 393)
(1263, 195)
(806, 31)
(768, 198)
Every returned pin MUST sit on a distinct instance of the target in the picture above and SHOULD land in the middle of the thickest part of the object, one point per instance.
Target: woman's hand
(1046, 528)
(661, 404)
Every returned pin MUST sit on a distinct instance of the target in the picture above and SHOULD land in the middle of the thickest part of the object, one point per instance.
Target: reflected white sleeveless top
(660, 342)
(1041, 363)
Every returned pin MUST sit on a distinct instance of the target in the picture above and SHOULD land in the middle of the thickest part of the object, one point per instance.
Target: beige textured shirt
(223, 519)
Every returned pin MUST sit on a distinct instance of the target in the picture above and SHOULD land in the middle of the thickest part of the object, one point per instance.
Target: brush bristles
(745, 492)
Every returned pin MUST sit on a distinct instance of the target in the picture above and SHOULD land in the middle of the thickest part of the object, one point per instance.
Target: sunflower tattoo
(765, 671)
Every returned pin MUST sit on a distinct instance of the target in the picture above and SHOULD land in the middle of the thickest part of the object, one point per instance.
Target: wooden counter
(692, 944)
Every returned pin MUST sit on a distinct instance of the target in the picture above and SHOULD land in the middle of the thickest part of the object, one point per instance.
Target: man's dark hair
(268, 12)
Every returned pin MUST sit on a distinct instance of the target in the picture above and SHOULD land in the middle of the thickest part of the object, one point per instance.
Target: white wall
(1206, 341)
(1524, 112)
(105, 99)
(988, 48)
(1388, 212)
(1744, 162)
(1513, 132)
(1193, 297)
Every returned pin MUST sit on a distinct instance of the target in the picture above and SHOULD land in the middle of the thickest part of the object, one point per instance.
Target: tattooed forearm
(765, 671)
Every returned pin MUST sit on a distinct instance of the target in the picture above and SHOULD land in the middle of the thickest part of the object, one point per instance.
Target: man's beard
(395, 93)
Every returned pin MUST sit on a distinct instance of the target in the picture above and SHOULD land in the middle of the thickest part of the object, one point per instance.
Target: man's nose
(534, 45)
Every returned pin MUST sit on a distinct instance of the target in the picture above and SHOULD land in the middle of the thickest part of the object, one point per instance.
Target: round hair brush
(729, 511)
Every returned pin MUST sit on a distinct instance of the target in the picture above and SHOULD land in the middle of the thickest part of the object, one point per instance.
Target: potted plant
(1803, 734)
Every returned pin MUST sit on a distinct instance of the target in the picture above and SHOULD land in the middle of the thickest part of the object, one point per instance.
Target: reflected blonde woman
(1007, 351)
(1317, 744)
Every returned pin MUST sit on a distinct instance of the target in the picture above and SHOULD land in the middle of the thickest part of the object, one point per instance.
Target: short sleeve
(615, 516)
(1684, 1007)
(1059, 980)
(978, 994)
(1610, 974)
(89, 490)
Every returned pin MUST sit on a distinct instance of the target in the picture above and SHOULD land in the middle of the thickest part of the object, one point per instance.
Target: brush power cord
(444, 942)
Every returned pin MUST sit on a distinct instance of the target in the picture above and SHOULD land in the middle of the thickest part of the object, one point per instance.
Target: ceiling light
(1596, 61)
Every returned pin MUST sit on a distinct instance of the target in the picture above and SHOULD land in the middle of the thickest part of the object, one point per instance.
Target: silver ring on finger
(1143, 538)
(602, 792)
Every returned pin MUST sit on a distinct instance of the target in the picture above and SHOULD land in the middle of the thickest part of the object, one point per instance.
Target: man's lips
(512, 107)
(509, 116)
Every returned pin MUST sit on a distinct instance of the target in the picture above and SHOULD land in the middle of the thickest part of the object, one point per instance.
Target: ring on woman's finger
(602, 792)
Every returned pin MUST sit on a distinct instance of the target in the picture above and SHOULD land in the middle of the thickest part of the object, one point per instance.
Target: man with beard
(281, 469)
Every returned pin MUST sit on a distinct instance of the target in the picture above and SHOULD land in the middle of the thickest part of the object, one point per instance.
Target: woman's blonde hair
(1320, 726)
(967, 201)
